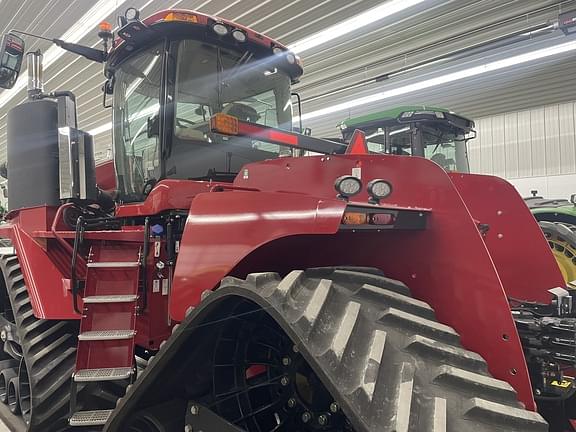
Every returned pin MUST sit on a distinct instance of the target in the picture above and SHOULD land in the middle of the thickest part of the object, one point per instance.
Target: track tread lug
(477, 408)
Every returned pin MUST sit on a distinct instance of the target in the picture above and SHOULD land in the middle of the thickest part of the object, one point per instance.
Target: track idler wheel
(14, 395)
(5, 377)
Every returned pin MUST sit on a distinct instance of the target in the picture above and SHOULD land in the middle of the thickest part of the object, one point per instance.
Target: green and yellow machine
(434, 133)
(441, 135)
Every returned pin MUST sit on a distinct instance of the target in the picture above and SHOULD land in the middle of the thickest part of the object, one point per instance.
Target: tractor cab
(169, 75)
(434, 133)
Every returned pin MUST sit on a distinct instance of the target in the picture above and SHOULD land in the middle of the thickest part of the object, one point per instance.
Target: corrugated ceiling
(423, 32)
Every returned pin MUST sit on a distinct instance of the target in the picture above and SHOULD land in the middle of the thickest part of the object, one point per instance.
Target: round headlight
(220, 29)
(348, 186)
(239, 35)
(277, 50)
(379, 189)
(290, 58)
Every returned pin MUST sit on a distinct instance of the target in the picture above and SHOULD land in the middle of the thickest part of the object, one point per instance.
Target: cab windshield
(201, 80)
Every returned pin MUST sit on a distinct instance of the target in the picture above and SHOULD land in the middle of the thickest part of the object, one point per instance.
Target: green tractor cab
(435, 133)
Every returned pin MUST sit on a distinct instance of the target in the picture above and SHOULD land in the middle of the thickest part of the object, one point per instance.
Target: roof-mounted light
(132, 14)
(277, 50)
(181, 16)
(239, 35)
(220, 29)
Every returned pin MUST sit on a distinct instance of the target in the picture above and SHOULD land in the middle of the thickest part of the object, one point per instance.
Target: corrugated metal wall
(538, 142)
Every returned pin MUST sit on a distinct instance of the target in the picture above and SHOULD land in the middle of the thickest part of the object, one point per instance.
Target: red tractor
(228, 283)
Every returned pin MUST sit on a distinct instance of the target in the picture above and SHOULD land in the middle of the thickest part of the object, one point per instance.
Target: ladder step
(106, 335)
(90, 418)
(116, 264)
(107, 374)
(110, 299)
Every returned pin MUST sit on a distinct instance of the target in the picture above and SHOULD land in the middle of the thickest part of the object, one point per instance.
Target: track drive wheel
(562, 240)
(328, 349)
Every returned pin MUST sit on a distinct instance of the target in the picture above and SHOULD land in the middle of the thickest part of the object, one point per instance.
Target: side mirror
(11, 56)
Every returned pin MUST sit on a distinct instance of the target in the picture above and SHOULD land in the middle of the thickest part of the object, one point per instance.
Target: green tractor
(441, 135)
(434, 133)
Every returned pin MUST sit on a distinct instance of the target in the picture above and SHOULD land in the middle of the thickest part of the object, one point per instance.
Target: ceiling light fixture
(444, 79)
(354, 23)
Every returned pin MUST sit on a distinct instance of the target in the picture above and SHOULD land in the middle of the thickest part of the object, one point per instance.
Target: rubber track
(49, 348)
(386, 360)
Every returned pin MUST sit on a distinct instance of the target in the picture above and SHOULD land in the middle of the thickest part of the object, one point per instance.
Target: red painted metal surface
(203, 19)
(154, 325)
(47, 286)
(224, 227)
(167, 195)
(447, 265)
(516, 244)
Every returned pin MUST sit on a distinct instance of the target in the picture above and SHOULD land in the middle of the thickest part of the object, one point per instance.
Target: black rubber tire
(381, 354)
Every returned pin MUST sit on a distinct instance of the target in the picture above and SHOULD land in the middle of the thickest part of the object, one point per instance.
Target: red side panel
(47, 286)
(520, 252)
(224, 227)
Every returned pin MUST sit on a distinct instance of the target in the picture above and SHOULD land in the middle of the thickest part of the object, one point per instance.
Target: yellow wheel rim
(565, 255)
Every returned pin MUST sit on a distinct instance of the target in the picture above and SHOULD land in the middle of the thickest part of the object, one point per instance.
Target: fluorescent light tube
(352, 24)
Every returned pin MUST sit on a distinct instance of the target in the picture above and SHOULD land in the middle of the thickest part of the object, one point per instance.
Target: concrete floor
(3, 427)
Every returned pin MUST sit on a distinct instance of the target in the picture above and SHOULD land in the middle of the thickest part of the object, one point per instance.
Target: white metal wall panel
(531, 143)
(567, 135)
(498, 146)
(524, 145)
(552, 137)
(511, 144)
(486, 146)
(538, 142)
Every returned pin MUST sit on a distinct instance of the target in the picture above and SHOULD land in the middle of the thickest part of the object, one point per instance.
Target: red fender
(224, 227)
(514, 237)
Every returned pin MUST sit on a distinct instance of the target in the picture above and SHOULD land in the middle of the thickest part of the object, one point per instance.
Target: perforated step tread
(90, 418)
(104, 374)
(106, 335)
(110, 299)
